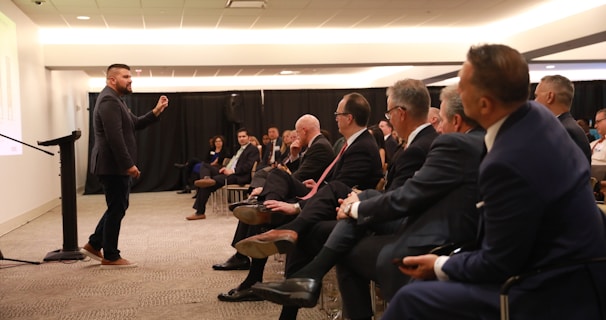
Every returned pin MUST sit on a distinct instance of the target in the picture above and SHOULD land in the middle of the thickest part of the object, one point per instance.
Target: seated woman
(215, 158)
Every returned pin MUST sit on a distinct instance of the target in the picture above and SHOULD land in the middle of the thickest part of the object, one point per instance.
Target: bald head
(433, 117)
(307, 127)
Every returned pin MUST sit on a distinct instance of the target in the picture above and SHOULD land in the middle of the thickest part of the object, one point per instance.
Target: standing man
(556, 93)
(113, 160)
(524, 225)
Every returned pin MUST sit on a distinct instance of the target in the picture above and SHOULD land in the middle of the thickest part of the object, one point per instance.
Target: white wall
(30, 183)
(69, 112)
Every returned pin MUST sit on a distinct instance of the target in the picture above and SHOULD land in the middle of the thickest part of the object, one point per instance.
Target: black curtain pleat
(589, 97)
(192, 118)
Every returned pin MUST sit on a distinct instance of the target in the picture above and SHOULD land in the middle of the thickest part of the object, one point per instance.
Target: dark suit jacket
(115, 148)
(576, 133)
(439, 201)
(243, 169)
(267, 152)
(311, 164)
(391, 147)
(538, 210)
(407, 161)
(359, 165)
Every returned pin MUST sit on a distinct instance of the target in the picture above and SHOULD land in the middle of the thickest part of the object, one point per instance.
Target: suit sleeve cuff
(437, 268)
(354, 210)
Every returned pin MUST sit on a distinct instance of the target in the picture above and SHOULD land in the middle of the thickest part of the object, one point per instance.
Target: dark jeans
(117, 191)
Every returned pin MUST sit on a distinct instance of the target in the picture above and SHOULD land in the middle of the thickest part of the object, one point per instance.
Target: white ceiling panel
(429, 31)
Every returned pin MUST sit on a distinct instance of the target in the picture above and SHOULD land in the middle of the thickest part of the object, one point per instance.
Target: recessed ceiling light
(550, 67)
(83, 17)
(260, 4)
(289, 72)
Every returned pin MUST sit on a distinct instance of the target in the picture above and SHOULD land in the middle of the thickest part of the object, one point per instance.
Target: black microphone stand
(47, 152)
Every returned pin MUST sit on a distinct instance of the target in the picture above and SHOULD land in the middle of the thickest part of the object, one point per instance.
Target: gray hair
(454, 105)
(562, 87)
(412, 95)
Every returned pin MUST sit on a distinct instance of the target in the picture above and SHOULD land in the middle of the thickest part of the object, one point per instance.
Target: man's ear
(550, 97)
(486, 105)
(457, 121)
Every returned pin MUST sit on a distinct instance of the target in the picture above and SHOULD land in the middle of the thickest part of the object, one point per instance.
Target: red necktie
(315, 188)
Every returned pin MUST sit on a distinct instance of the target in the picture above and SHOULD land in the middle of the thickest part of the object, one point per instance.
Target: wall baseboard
(28, 216)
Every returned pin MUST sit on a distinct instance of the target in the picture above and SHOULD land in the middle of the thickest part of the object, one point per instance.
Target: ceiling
(326, 42)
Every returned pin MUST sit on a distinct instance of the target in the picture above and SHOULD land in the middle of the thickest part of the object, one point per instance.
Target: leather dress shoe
(204, 183)
(298, 292)
(253, 215)
(196, 216)
(237, 295)
(251, 200)
(233, 263)
(268, 243)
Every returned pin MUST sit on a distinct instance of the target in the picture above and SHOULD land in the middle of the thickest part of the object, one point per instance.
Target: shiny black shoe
(234, 263)
(295, 292)
(236, 295)
(250, 201)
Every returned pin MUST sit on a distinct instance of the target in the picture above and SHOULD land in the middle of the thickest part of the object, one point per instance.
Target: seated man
(237, 171)
(407, 106)
(305, 165)
(556, 93)
(525, 225)
(358, 164)
(434, 207)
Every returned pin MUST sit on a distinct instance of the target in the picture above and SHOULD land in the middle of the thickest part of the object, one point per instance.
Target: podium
(70, 250)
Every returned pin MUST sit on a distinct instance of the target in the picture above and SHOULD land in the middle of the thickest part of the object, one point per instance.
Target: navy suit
(439, 205)
(538, 210)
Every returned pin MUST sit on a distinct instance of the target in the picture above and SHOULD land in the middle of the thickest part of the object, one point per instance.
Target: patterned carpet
(174, 279)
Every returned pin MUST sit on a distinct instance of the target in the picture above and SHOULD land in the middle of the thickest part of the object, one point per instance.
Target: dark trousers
(282, 186)
(203, 194)
(117, 191)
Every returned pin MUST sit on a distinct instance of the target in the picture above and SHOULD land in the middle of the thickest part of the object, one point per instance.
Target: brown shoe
(205, 183)
(268, 243)
(196, 216)
(253, 214)
(117, 264)
(91, 252)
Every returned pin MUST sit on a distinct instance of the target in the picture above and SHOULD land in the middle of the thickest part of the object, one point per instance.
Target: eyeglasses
(341, 113)
(598, 121)
(388, 113)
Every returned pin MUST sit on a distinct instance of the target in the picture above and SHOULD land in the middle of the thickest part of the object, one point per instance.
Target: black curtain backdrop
(182, 133)
(193, 118)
